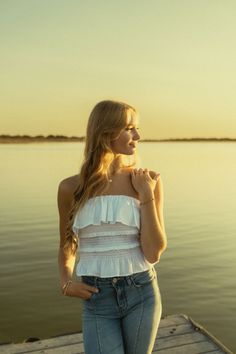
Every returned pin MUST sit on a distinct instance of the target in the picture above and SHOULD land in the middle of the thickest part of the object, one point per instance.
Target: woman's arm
(152, 234)
(66, 261)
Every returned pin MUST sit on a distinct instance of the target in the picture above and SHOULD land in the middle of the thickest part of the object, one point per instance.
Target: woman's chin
(130, 151)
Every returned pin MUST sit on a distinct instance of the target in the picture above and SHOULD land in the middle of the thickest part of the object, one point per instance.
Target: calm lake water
(196, 273)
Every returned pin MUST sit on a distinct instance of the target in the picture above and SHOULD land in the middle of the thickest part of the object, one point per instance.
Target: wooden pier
(177, 334)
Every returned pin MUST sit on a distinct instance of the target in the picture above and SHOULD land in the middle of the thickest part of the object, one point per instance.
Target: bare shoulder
(127, 170)
(67, 187)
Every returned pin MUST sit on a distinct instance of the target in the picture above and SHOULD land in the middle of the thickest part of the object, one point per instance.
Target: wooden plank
(177, 334)
(56, 342)
(183, 340)
(172, 320)
(174, 330)
(193, 348)
(164, 331)
(68, 349)
(218, 351)
(197, 328)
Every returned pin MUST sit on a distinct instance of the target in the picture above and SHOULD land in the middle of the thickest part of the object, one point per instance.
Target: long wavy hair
(106, 121)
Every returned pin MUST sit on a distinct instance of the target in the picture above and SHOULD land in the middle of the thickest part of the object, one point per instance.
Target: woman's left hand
(143, 182)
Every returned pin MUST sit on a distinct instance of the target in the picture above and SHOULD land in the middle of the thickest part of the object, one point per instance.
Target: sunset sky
(174, 60)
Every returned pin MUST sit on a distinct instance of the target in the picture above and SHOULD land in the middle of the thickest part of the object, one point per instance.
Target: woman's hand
(81, 290)
(143, 182)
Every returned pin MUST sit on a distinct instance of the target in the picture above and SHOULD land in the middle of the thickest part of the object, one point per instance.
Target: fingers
(81, 290)
(156, 176)
(140, 171)
(145, 171)
(91, 289)
(85, 291)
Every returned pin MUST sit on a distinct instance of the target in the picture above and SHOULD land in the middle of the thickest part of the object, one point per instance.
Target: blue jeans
(124, 316)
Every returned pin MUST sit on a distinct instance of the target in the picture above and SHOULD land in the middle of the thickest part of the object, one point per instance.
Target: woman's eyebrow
(132, 125)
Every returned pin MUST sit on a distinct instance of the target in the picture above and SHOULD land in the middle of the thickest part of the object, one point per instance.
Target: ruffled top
(108, 209)
(108, 229)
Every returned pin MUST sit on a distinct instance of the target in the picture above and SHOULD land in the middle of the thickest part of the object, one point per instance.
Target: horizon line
(52, 137)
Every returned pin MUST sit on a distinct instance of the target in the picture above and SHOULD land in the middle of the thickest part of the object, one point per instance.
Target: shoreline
(7, 139)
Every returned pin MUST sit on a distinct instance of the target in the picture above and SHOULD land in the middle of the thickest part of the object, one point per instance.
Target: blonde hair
(106, 121)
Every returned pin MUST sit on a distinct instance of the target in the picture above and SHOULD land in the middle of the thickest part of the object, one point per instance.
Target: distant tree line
(12, 138)
(42, 137)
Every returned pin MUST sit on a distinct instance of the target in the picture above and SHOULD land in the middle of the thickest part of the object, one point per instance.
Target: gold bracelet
(147, 201)
(66, 286)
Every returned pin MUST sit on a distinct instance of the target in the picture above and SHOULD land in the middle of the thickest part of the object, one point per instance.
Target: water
(196, 273)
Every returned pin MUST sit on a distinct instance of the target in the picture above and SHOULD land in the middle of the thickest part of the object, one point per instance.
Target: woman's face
(128, 138)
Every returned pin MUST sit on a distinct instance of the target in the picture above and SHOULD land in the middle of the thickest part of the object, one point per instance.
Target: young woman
(112, 213)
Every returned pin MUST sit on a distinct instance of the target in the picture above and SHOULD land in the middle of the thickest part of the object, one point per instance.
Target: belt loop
(131, 278)
(95, 281)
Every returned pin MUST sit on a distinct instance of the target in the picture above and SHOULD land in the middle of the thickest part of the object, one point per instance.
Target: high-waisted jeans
(124, 316)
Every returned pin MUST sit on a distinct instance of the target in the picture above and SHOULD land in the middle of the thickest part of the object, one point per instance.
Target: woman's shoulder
(68, 185)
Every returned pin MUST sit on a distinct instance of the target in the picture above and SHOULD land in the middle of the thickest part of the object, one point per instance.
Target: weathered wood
(182, 340)
(172, 320)
(65, 341)
(177, 330)
(193, 348)
(177, 334)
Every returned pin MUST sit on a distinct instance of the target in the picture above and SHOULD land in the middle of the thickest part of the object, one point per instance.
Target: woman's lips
(133, 145)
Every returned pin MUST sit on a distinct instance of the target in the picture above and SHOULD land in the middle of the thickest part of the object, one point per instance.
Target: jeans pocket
(89, 280)
(143, 278)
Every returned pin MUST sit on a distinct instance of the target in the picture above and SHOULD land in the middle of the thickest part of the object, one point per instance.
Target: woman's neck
(116, 165)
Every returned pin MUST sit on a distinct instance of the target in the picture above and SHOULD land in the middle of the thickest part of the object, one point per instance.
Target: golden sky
(174, 60)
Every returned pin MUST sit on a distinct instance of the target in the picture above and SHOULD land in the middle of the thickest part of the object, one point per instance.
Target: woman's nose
(136, 135)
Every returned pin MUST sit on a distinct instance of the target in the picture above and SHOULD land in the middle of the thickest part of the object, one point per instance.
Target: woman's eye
(132, 128)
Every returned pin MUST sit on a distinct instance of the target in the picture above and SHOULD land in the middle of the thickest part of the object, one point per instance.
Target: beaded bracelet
(147, 201)
(66, 286)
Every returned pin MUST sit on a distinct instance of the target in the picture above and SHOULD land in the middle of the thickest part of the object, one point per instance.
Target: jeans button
(114, 280)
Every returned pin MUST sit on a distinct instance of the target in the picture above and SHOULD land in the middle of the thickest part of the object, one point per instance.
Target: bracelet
(147, 201)
(66, 286)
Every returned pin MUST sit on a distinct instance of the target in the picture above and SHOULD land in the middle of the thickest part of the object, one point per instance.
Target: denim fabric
(124, 316)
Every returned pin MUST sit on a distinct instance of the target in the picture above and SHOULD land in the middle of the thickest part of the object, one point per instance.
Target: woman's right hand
(81, 290)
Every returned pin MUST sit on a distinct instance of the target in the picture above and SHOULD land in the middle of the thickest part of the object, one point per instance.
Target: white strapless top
(108, 228)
